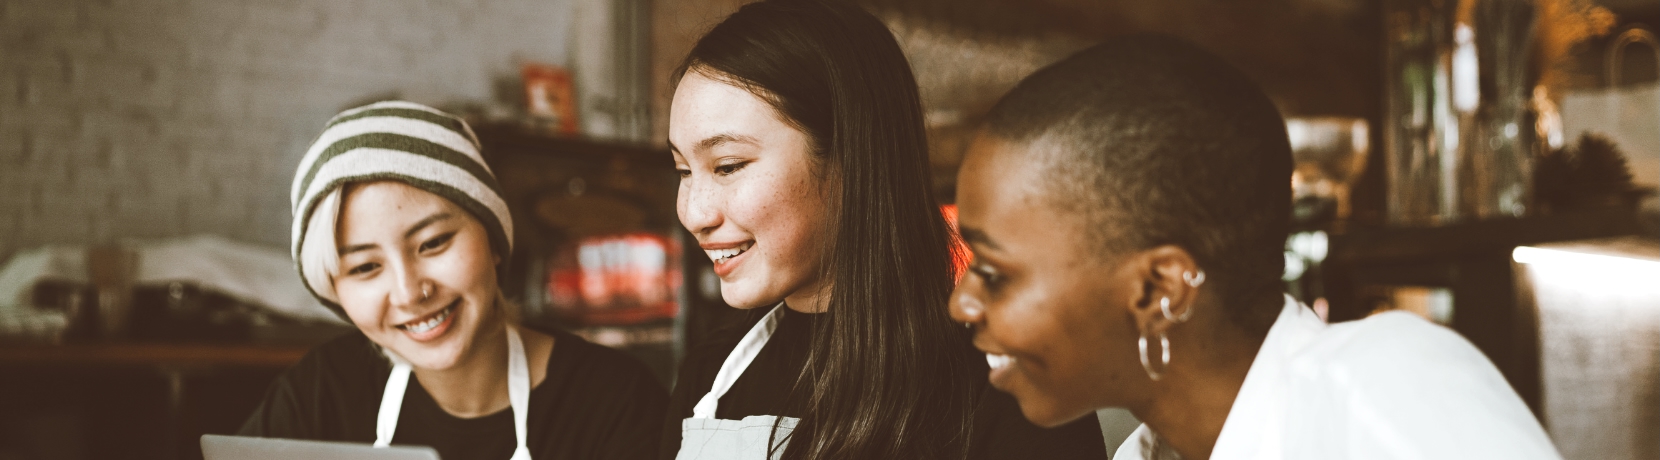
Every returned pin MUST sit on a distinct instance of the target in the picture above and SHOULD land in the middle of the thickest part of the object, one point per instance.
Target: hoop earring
(1194, 279)
(1164, 352)
(1164, 306)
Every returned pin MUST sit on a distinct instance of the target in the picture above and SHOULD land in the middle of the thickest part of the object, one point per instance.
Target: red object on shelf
(615, 280)
(961, 256)
(548, 94)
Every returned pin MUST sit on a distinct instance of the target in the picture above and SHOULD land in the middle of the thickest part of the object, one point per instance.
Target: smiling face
(749, 193)
(1049, 314)
(417, 275)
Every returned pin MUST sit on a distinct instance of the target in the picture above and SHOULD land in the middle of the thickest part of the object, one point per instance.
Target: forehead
(1004, 190)
(704, 106)
(998, 177)
(387, 205)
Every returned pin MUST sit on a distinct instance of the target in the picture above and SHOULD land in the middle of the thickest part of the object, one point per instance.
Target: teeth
(999, 361)
(721, 255)
(428, 324)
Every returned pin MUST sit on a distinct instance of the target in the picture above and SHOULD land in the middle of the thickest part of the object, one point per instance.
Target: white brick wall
(153, 118)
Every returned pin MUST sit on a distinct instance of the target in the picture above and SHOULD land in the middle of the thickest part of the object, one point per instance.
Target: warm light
(1465, 70)
(1586, 270)
(1541, 256)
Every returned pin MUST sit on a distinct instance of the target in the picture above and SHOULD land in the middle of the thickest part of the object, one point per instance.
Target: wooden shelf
(1431, 243)
(152, 355)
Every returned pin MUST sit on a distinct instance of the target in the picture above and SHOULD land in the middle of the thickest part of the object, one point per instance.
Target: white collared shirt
(1391, 386)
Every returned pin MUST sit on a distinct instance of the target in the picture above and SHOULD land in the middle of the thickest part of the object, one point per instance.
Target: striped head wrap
(404, 141)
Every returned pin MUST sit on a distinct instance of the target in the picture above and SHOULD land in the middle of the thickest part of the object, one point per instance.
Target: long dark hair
(889, 375)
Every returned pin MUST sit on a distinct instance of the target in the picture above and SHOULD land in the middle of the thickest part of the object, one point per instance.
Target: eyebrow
(717, 141)
(424, 223)
(973, 235)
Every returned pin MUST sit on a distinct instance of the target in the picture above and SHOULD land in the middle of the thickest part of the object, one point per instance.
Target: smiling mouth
(722, 255)
(422, 325)
(998, 362)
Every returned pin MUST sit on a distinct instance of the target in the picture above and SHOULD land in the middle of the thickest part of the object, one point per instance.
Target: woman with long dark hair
(798, 134)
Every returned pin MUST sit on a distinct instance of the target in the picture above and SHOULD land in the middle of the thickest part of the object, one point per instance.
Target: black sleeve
(288, 408)
(330, 395)
(636, 417)
(1002, 432)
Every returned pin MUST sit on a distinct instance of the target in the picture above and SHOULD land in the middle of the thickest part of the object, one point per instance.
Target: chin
(433, 359)
(739, 296)
(1049, 413)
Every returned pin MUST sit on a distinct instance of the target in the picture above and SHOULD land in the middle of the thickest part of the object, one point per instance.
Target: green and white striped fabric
(403, 141)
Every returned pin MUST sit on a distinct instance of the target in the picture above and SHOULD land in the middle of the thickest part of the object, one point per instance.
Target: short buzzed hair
(1153, 141)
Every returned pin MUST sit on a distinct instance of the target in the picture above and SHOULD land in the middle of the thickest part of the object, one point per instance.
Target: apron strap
(391, 401)
(518, 395)
(518, 391)
(736, 362)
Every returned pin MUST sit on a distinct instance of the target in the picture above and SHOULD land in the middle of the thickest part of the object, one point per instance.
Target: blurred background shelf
(1472, 266)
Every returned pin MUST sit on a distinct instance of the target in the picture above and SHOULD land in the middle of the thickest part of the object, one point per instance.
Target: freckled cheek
(750, 207)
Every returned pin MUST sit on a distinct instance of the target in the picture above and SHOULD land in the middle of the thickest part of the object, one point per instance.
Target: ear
(1169, 281)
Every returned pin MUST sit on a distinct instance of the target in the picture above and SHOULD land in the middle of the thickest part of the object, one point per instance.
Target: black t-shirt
(1000, 431)
(595, 403)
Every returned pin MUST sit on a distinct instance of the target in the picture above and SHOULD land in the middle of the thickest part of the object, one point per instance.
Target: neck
(477, 386)
(813, 299)
(1191, 403)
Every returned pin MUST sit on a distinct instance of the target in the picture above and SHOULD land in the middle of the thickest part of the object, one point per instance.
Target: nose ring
(426, 291)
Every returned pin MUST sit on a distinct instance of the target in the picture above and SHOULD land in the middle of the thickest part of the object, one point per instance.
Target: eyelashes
(720, 170)
(987, 275)
(728, 169)
(428, 247)
(364, 268)
(437, 242)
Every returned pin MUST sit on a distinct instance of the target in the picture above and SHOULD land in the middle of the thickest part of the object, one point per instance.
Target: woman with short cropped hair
(1128, 208)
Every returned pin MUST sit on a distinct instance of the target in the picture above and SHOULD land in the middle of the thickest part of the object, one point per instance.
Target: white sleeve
(1395, 386)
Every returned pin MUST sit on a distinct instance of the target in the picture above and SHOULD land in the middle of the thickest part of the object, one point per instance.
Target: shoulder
(586, 366)
(1371, 383)
(1390, 344)
(703, 359)
(351, 357)
(697, 371)
(325, 394)
(603, 397)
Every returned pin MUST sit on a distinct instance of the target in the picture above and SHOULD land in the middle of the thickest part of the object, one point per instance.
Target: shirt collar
(1258, 410)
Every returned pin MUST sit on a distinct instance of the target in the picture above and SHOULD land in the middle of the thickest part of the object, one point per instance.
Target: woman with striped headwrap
(399, 227)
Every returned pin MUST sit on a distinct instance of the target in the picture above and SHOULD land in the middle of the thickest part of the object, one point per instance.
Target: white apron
(518, 395)
(704, 437)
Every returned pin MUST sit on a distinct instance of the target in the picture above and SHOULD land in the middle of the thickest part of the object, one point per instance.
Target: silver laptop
(217, 447)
